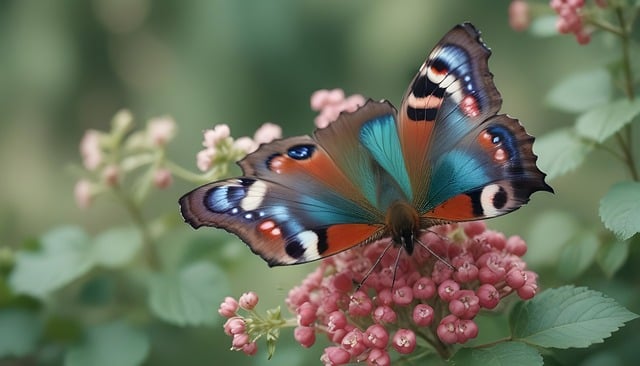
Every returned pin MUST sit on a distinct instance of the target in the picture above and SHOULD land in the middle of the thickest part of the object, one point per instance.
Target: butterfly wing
(447, 124)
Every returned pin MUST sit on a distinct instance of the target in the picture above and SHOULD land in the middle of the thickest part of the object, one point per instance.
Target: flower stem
(134, 211)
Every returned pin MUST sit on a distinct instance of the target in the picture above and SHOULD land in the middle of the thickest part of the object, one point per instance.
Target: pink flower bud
(384, 315)
(424, 288)
(235, 325)
(448, 289)
(466, 273)
(245, 144)
(423, 315)
(161, 130)
(337, 320)
(250, 348)
(447, 329)
(248, 300)
(474, 228)
(378, 357)
(342, 282)
(239, 340)
(519, 17)
(360, 304)
(306, 336)
(465, 330)
(228, 307)
(335, 356)
(306, 314)
(267, 133)
(403, 296)
(516, 246)
(111, 175)
(90, 149)
(319, 99)
(488, 296)
(204, 159)
(376, 336)
(465, 304)
(162, 178)
(353, 342)
(515, 278)
(214, 136)
(385, 297)
(404, 341)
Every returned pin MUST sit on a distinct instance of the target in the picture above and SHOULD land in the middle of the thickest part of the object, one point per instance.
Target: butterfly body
(444, 156)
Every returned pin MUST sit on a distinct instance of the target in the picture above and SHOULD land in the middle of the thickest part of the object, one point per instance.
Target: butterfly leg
(364, 279)
(434, 253)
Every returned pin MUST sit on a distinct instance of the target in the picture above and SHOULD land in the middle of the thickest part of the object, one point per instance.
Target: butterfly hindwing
(280, 224)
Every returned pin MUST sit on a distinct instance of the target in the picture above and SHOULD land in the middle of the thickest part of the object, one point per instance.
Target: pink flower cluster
(330, 103)
(218, 143)
(570, 19)
(421, 296)
(236, 326)
(376, 318)
(519, 15)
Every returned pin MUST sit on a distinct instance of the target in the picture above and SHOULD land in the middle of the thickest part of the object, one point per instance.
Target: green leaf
(602, 122)
(502, 354)
(577, 255)
(189, 297)
(64, 255)
(581, 91)
(612, 256)
(567, 317)
(561, 151)
(620, 209)
(110, 344)
(19, 332)
(547, 235)
(116, 247)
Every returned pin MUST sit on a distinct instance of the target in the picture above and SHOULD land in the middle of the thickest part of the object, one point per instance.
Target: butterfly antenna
(434, 253)
(374, 266)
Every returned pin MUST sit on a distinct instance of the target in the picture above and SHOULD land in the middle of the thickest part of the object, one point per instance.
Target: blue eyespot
(502, 135)
(301, 152)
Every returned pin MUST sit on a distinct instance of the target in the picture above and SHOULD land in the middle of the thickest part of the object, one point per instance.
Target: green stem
(138, 219)
(190, 176)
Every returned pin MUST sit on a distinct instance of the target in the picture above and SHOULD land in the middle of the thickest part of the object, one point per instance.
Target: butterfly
(445, 156)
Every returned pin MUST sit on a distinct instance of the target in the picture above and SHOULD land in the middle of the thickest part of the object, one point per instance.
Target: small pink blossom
(250, 348)
(306, 314)
(376, 336)
(404, 341)
(111, 175)
(83, 193)
(248, 300)
(228, 307)
(423, 315)
(335, 356)
(245, 144)
(204, 159)
(378, 357)
(570, 19)
(306, 336)
(90, 149)
(234, 325)
(213, 136)
(161, 130)
(267, 133)
(330, 103)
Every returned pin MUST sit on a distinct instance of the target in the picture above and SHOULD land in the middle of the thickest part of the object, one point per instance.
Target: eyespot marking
(301, 152)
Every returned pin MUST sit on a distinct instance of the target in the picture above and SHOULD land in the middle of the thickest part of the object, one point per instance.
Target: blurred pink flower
(245, 144)
(161, 130)
(83, 194)
(162, 178)
(570, 19)
(111, 175)
(519, 15)
(267, 133)
(213, 136)
(90, 149)
(330, 103)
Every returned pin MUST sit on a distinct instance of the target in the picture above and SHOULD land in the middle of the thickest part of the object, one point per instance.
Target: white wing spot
(254, 197)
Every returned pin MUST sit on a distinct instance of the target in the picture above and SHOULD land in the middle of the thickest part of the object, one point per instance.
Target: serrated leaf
(110, 344)
(547, 234)
(577, 255)
(561, 151)
(568, 317)
(612, 256)
(620, 209)
(64, 255)
(600, 123)
(19, 332)
(502, 354)
(544, 26)
(116, 247)
(189, 297)
(581, 91)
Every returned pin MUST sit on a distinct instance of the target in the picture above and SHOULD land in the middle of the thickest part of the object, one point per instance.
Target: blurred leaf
(544, 26)
(567, 317)
(19, 332)
(502, 354)
(116, 247)
(577, 255)
(547, 235)
(64, 255)
(110, 344)
(600, 123)
(612, 256)
(189, 297)
(581, 91)
(620, 209)
(561, 151)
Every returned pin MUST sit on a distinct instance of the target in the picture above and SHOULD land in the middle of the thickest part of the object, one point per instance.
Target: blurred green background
(66, 66)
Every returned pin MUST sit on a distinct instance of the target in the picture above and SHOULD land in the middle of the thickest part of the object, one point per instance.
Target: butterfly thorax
(403, 224)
